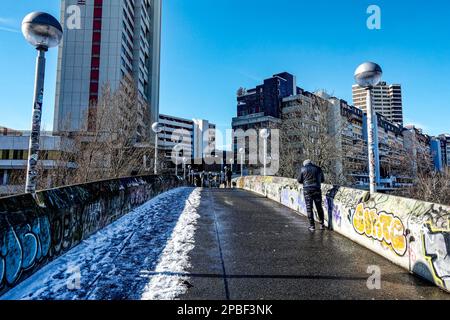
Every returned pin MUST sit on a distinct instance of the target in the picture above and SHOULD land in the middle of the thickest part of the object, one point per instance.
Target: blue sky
(212, 47)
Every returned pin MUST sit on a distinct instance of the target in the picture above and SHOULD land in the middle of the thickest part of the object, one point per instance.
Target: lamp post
(189, 173)
(42, 31)
(241, 152)
(264, 134)
(144, 162)
(156, 129)
(184, 167)
(177, 150)
(368, 75)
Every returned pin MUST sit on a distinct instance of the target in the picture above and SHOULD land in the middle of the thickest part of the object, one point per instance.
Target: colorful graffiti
(34, 231)
(436, 251)
(383, 227)
(22, 246)
(335, 214)
(289, 198)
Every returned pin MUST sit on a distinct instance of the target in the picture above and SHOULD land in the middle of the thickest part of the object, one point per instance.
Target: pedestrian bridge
(154, 238)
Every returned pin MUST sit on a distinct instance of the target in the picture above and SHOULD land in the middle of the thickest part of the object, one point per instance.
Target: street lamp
(241, 152)
(264, 134)
(42, 31)
(368, 75)
(184, 167)
(156, 129)
(177, 150)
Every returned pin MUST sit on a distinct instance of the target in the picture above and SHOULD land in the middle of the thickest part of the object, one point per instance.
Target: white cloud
(9, 30)
(9, 25)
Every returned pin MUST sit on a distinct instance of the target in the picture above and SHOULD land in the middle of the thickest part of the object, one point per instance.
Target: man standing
(311, 176)
(229, 177)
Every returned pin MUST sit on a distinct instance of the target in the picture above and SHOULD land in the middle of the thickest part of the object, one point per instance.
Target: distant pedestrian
(210, 180)
(229, 174)
(202, 179)
(312, 177)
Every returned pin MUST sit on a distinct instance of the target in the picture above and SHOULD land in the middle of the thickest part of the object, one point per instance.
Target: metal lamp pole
(371, 142)
(368, 75)
(264, 134)
(184, 167)
(42, 31)
(156, 129)
(241, 151)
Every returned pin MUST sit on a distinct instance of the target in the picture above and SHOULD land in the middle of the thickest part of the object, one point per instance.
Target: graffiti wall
(34, 231)
(413, 234)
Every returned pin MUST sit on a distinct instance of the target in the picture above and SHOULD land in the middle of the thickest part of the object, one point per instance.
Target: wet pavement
(249, 247)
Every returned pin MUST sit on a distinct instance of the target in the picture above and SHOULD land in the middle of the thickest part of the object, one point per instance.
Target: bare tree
(307, 132)
(121, 138)
(426, 184)
(431, 186)
(116, 145)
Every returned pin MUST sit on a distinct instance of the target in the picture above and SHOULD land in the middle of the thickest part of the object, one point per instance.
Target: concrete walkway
(249, 247)
(217, 244)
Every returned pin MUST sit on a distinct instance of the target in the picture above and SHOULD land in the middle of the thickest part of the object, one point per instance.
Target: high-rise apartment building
(261, 107)
(196, 137)
(116, 39)
(445, 149)
(386, 100)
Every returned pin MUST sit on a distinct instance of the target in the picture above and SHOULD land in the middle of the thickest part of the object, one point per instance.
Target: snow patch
(111, 261)
(167, 283)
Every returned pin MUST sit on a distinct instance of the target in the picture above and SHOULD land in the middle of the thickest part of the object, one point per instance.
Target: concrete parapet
(36, 230)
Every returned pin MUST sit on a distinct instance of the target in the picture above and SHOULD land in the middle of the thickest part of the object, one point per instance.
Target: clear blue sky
(211, 48)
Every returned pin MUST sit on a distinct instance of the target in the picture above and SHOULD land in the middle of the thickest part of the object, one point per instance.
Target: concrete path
(249, 247)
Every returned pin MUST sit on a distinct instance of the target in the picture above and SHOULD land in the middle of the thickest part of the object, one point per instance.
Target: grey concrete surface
(249, 247)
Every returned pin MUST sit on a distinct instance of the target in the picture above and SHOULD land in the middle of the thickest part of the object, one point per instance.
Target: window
(18, 155)
(4, 154)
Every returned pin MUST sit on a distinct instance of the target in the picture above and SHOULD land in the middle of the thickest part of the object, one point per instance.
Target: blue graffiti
(23, 247)
(2, 268)
(337, 215)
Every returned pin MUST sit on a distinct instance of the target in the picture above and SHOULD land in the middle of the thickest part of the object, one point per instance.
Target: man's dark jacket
(311, 176)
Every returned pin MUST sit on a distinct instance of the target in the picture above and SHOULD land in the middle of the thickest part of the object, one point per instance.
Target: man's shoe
(322, 226)
(312, 228)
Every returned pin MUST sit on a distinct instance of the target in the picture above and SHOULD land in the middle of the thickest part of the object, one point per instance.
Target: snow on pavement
(125, 260)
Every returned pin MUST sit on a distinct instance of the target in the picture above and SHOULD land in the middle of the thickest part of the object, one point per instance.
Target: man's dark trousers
(311, 197)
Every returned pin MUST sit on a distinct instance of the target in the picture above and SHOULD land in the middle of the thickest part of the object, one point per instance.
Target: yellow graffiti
(383, 227)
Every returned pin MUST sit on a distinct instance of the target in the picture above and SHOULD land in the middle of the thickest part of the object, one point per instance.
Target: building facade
(116, 40)
(445, 138)
(442, 142)
(386, 100)
(339, 132)
(14, 158)
(418, 149)
(261, 107)
(196, 137)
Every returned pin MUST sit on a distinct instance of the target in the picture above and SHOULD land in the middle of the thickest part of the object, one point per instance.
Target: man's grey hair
(307, 162)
